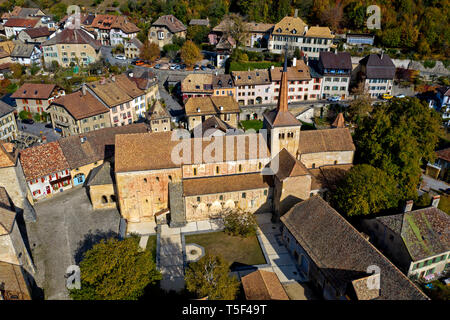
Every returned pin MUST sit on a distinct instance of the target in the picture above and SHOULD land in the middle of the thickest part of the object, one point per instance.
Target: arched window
(112, 198)
(157, 179)
(145, 180)
(240, 168)
(104, 199)
(170, 178)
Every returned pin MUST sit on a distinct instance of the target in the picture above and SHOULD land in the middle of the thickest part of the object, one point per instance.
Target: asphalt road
(39, 129)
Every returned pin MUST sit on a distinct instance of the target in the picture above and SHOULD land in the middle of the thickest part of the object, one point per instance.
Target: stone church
(189, 179)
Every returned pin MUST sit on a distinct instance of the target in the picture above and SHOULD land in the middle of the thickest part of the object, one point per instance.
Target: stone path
(171, 261)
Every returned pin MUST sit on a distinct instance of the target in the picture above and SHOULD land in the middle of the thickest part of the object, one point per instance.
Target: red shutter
(42, 179)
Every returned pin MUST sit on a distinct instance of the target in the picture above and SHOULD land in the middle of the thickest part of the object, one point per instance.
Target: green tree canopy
(209, 277)
(396, 137)
(365, 190)
(116, 270)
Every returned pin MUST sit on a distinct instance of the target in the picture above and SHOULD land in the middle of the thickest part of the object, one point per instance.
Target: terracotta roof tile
(34, 91)
(327, 140)
(211, 105)
(288, 166)
(20, 22)
(263, 285)
(197, 82)
(81, 106)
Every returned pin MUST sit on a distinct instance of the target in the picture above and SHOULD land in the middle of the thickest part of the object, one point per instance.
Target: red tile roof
(34, 91)
(19, 22)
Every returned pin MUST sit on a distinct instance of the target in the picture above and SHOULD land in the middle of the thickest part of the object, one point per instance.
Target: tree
(396, 137)
(197, 33)
(361, 105)
(24, 115)
(209, 277)
(149, 51)
(116, 270)
(365, 190)
(237, 28)
(190, 53)
(239, 223)
(58, 10)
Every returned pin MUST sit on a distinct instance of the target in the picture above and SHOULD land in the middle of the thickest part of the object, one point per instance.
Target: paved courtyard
(66, 226)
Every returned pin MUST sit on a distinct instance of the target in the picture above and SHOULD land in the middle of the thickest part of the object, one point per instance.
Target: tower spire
(283, 95)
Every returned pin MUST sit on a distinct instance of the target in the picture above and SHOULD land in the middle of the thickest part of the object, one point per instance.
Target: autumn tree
(361, 105)
(209, 277)
(237, 28)
(365, 190)
(149, 51)
(190, 53)
(396, 137)
(116, 270)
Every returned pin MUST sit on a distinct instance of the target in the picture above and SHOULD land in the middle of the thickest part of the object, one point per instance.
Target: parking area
(65, 228)
(39, 129)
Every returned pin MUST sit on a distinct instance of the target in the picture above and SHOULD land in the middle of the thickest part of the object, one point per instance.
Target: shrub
(429, 64)
(239, 223)
(24, 115)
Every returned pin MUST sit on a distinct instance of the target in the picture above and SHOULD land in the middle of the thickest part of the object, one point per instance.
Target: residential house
(223, 50)
(199, 22)
(338, 260)
(71, 46)
(377, 72)
(258, 34)
(34, 35)
(15, 25)
(46, 170)
(19, 12)
(222, 85)
(198, 109)
(121, 95)
(78, 112)
(8, 125)
(164, 29)
(6, 48)
(359, 39)
(36, 97)
(443, 97)
(26, 54)
(263, 285)
(213, 126)
(252, 87)
(132, 48)
(197, 85)
(113, 30)
(302, 85)
(417, 241)
(439, 169)
(147, 82)
(336, 69)
(294, 33)
(102, 184)
(86, 151)
(159, 118)
(12, 246)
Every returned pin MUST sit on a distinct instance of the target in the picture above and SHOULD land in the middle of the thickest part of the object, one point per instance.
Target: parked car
(120, 57)
(387, 96)
(203, 68)
(400, 96)
(173, 67)
(139, 62)
(157, 66)
(28, 121)
(196, 67)
(334, 98)
(210, 66)
(182, 66)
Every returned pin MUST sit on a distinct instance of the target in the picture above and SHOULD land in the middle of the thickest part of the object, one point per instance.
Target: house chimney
(408, 206)
(83, 89)
(113, 78)
(296, 13)
(294, 62)
(382, 52)
(131, 74)
(272, 67)
(435, 201)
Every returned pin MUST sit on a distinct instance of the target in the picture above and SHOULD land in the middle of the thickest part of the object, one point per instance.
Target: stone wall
(316, 160)
(11, 178)
(289, 192)
(224, 168)
(103, 197)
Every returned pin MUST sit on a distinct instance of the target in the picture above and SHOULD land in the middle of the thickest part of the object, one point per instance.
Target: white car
(120, 57)
(334, 98)
(400, 96)
(173, 67)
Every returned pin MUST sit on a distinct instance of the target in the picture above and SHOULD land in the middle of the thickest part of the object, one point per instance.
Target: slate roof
(211, 105)
(199, 22)
(5, 109)
(224, 184)
(378, 66)
(98, 144)
(222, 81)
(23, 50)
(73, 36)
(263, 285)
(7, 213)
(173, 24)
(253, 77)
(425, 232)
(288, 166)
(81, 106)
(339, 60)
(326, 140)
(132, 155)
(34, 91)
(342, 253)
(101, 175)
(42, 160)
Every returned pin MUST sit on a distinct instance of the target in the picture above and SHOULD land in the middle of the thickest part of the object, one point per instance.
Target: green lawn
(236, 250)
(252, 124)
(151, 246)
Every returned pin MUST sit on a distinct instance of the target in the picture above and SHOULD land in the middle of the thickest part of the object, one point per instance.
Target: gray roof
(173, 24)
(5, 108)
(342, 253)
(22, 50)
(331, 60)
(73, 36)
(378, 66)
(199, 22)
(101, 175)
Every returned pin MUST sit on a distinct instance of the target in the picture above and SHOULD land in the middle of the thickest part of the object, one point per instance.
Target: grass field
(236, 251)
(252, 124)
(151, 246)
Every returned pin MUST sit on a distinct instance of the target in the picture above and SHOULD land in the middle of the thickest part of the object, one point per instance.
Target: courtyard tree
(190, 53)
(116, 270)
(397, 137)
(149, 51)
(209, 277)
(239, 223)
(365, 190)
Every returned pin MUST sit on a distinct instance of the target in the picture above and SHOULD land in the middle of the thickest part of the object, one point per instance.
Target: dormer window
(279, 30)
(294, 31)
